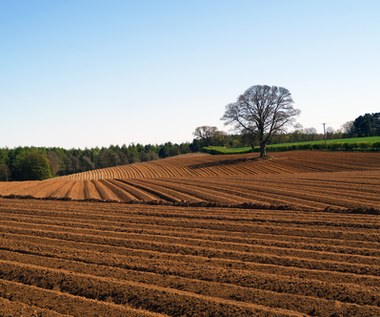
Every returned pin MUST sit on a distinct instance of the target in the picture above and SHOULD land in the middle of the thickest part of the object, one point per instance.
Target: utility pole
(324, 132)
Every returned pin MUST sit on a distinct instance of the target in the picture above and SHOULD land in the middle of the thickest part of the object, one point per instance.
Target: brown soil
(299, 180)
(196, 235)
(91, 259)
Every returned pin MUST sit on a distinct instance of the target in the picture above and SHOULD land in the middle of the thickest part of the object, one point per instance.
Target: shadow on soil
(365, 211)
(229, 162)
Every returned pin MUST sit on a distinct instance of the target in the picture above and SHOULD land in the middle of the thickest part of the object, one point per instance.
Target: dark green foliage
(4, 169)
(376, 146)
(32, 165)
(4, 172)
(29, 163)
(367, 125)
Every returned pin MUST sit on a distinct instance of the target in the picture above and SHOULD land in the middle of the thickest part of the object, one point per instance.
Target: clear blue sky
(78, 73)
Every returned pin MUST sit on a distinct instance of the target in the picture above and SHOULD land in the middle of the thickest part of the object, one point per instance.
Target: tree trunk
(263, 149)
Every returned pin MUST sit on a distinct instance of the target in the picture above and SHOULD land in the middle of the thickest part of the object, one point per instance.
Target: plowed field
(298, 180)
(109, 259)
(197, 235)
(204, 165)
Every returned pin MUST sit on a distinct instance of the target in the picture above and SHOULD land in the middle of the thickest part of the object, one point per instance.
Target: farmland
(297, 180)
(350, 144)
(196, 235)
(85, 258)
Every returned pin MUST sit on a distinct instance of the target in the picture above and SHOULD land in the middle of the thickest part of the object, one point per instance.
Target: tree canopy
(27, 163)
(261, 111)
(366, 125)
(32, 166)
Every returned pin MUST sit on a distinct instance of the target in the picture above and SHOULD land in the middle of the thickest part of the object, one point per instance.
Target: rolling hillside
(300, 180)
(86, 258)
(204, 165)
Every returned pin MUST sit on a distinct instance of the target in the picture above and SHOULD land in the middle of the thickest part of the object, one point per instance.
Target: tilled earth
(112, 259)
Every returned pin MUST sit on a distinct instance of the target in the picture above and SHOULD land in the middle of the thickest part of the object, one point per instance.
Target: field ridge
(195, 261)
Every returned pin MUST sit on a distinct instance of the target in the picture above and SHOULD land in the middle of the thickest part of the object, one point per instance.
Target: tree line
(260, 116)
(364, 126)
(299, 134)
(37, 163)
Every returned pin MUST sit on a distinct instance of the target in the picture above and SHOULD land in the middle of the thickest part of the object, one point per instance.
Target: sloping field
(297, 180)
(90, 259)
(204, 165)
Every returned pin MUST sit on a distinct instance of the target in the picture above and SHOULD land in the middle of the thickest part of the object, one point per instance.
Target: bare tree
(347, 127)
(310, 131)
(329, 132)
(261, 111)
(205, 132)
(209, 136)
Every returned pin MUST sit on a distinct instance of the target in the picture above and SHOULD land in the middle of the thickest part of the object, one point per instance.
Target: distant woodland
(37, 163)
